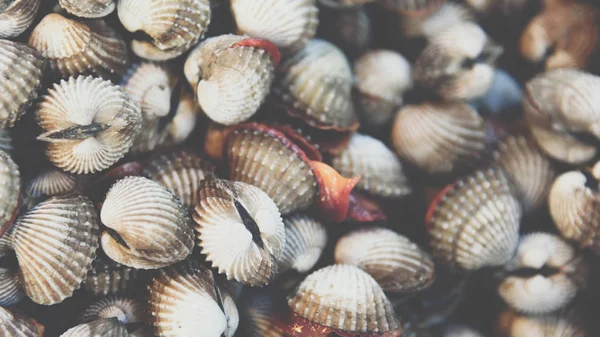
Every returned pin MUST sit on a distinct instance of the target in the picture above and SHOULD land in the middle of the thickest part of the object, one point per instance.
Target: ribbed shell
(474, 222)
(256, 313)
(88, 8)
(109, 278)
(103, 327)
(21, 68)
(561, 324)
(126, 310)
(88, 123)
(55, 244)
(288, 24)
(343, 3)
(240, 230)
(16, 16)
(413, 7)
(395, 262)
(150, 85)
(430, 26)
(15, 324)
(439, 137)
(349, 29)
(11, 291)
(154, 230)
(6, 142)
(305, 240)
(10, 189)
(48, 183)
(346, 298)
(77, 48)
(184, 300)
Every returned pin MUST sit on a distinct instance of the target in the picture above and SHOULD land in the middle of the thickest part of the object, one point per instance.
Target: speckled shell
(240, 230)
(16, 324)
(150, 228)
(395, 262)
(22, 68)
(16, 16)
(79, 48)
(380, 171)
(110, 278)
(346, 298)
(429, 26)
(413, 7)
(88, 123)
(55, 244)
(474, 222)
(540, 293)
(103, 327)
(10, 188)
(173, 26)
(46, 184)
(305, 240)
(184, 300)
(88, 8)
(129, 312)
(439, 137)
(561, 324)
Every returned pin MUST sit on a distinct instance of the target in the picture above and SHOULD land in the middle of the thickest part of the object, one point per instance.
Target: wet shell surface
(417, 8)
(16, 324)
(560, 324)
(148, 227)
(10, 186)
(305, 240)
(21, 68)
(16, 16)
(88, 123)
(240, 230)
(344, 297)
(88, 8)
(474, 222)
(395, 262)
(110, 278)
(103, 327)
(439, 137)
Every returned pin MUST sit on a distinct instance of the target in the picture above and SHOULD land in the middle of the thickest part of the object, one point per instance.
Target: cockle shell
(16, 324)
(80, 48)
(439, 137)
(110, 278)
(16, 16)
(349, 29)
(151, 86)
(129, 312)
(185, 300)
(429, 26)
(102, 327)
(305, 240)
(474, 222)
(11, 291)
(413, 7)
(560, 324)
(257, 309)
(288, 24)
(240, 230)
(6, 142)
(148, 227)
(183, 123)
(88, 8)
(46, 184)
(344, 297)
(10, 188)
(88, 123)
(21, 68)
(395, 262)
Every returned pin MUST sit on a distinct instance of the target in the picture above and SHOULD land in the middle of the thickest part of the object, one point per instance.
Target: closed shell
(305, 240)
(46, 184)
(16, 324)
(560, 324)
(103, 327)
(110, 278)
(126, 310)
(10, 188)
(151, 86)
(16, 16)
(88, 8)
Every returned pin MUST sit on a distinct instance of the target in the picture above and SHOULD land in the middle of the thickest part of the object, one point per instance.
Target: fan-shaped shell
(88, 8)
(150, 85)
(413, 7)
(560, 324)
(16, 16)
(15, 324)
(46, 184)
(344, 297)
(305, 240)
(11, 291)
(10, 188)
(110, 278)
(103, 327)
(126, 310)
(150, 228)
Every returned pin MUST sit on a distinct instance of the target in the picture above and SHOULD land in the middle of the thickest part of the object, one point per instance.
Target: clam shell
(88, 8)
(439, 137)
(148, 227)
(22, 68)
(344, 297)
(6, 142)
(46, 184)
(343, 3)
(460, 331)
(429, 26)
(150, 85)
(16, 16)
(183, 123)
(184, 300)
(474, 222)
(103, 327)
(240, 230)
(10, 186)
(395, 262)
(349, 29)
(88, 123)
(15, 324)
(80, 48)
(305, 240)
(413, 7)
(125, 310)
(256, 315)
(561, 324)
(110, 278)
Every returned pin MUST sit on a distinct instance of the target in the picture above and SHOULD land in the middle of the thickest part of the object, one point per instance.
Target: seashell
(240, 230)
(22, 68)
(349, 29)
(169, 28)
(16, 324)
(380, 170)
(11, 291)
(148, 228)
(395, 262)
(6, 142)
(531, 172)
(215, 140)
(417, 8)
(180, 172)
(184, 300)
(16, 16)
(560, 324)
(110, 278)
(382, 76)
(102, 327)
(365, 209)
(544, 275)
(460, 331)
(257, 309)
(151, 86)
(316, 83)
(55, 243)
(46, 184)
(88, 8)
(129, 312)
(305, 240)
(232, 76)
(97, 188)
(10, 186)
(343, 297)
(429, 26)
(458, 63)
(77, 48)
(88, 123)
(503, 99)
(288, 24)
(183, 123)
(439, 137)
(343, 3)
(474, 222)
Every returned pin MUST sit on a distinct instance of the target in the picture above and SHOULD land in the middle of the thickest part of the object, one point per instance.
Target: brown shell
(429, 26)
(257, 309)
(46, 184)
(560, 324)
(16, 324)
(349, 29)
(16, 16)
(102, 327)
(130, 312)
(110, 278)
(88, 8)
(10, 186)
(413, 7)
(305, 240)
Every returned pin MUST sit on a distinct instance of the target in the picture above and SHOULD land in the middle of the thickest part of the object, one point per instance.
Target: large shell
(305, 240)
(344, 297)
(16, 16)
(10, 188)
(560, 324)
(88, 124)
(88, 8)
(16, 324)
(103, 327)
(149, 227)
(413, 7)
(439, 137)
(395, 262)
(428, 27)
(185, 300)
(75, 48)
(110, 278)
(474, 222)
(240, 230)
(46, 184)
(22, 68)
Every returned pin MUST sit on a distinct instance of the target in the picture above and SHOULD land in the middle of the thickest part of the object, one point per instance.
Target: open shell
(560, 324)
(305, 240)
(88, 8)
(10, 188)
(16, 16)
(110, 278)
(16, 324)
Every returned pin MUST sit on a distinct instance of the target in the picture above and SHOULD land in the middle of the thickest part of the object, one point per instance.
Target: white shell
(103, 327)
(10, 190)
(305, 240)
(560, 324)
(88, 8)
(16, 16)
(15, 324)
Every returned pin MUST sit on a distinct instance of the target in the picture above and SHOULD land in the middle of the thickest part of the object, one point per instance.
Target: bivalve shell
(10, 188)
(16, 16)
(11, 291)
(560, 324)
(46, 184)
(129, 312)
(429, 26)
(88, 8)
(257, 310)
(349, 29)
(151, 86)
(305, 240)
(16, 324)
(417, 8)
(110, 278)
(102, 327)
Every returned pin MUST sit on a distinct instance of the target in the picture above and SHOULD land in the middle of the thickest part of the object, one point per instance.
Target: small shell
(21, 68)
(428, 27)
(15, 324)
(88, 8)
(183, 123)
(89, 124)
(349, 29)
(110, 278)
(395, 262)
(344, 297)
(148, 227)
(77, 48)
(474, 222)
(305, 240)
(129, 312)
(16, 16)
(103, 327)
(561, 324)
(48, 183)
(417, 8)
(10, 188)
(439, 138)
(240, 230)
